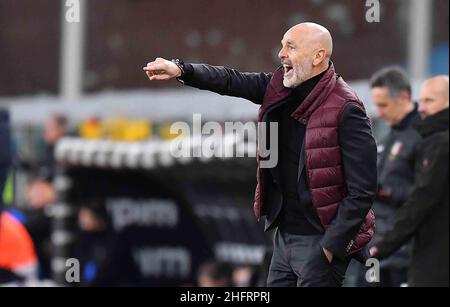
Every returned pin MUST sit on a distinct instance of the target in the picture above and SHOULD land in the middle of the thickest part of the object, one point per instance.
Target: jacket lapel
(301, 161)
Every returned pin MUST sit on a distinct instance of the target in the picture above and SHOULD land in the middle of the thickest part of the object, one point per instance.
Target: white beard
(300, 73)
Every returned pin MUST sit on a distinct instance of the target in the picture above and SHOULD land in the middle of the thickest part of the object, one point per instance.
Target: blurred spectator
(106, 258)
(41, 191)
(41, 194)
(215, 274)
(95, 244)
(6, 274)
(425, 216)
(92, 219)
(5, 152)
(245, 276)
(391, 93)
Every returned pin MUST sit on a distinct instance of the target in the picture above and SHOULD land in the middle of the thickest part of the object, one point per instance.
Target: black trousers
(299, 261)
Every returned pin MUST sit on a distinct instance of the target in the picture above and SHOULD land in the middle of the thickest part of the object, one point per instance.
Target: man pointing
(318, 197)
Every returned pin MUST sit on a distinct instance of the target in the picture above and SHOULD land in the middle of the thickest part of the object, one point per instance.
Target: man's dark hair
(394, 78)
(61, 120)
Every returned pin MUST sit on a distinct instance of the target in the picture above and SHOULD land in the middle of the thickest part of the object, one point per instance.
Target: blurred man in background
(425, 216)
(5, 162)
(18, 259)
(319, 195)
(95, 244)
(5, 152)
(41, 191)
(391, 93)
(215, 274)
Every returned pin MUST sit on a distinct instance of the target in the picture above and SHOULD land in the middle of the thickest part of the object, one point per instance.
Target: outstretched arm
(218, 79)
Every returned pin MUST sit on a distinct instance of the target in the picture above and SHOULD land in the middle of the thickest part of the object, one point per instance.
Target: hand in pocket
(317, 269)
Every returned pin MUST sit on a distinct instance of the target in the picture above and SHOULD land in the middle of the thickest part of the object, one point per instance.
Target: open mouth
(287, 69)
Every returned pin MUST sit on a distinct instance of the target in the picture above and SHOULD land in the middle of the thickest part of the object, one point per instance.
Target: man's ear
(319, 56)
(404, 96)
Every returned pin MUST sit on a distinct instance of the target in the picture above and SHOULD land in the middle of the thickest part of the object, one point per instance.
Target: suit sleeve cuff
(188, 71)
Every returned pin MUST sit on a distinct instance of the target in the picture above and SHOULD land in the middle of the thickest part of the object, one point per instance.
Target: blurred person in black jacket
(94, 242)
(41, 193)
(6, 276)
(391, 93)
(425, 216)
(17, 254)
(5, 152)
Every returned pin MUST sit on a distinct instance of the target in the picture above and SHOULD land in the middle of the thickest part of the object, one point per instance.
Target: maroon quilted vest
(320, 112)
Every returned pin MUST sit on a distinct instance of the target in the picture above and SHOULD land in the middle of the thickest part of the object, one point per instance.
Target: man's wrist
(180, 65)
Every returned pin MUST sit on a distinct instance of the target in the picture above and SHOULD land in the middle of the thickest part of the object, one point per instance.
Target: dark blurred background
(121, 35)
